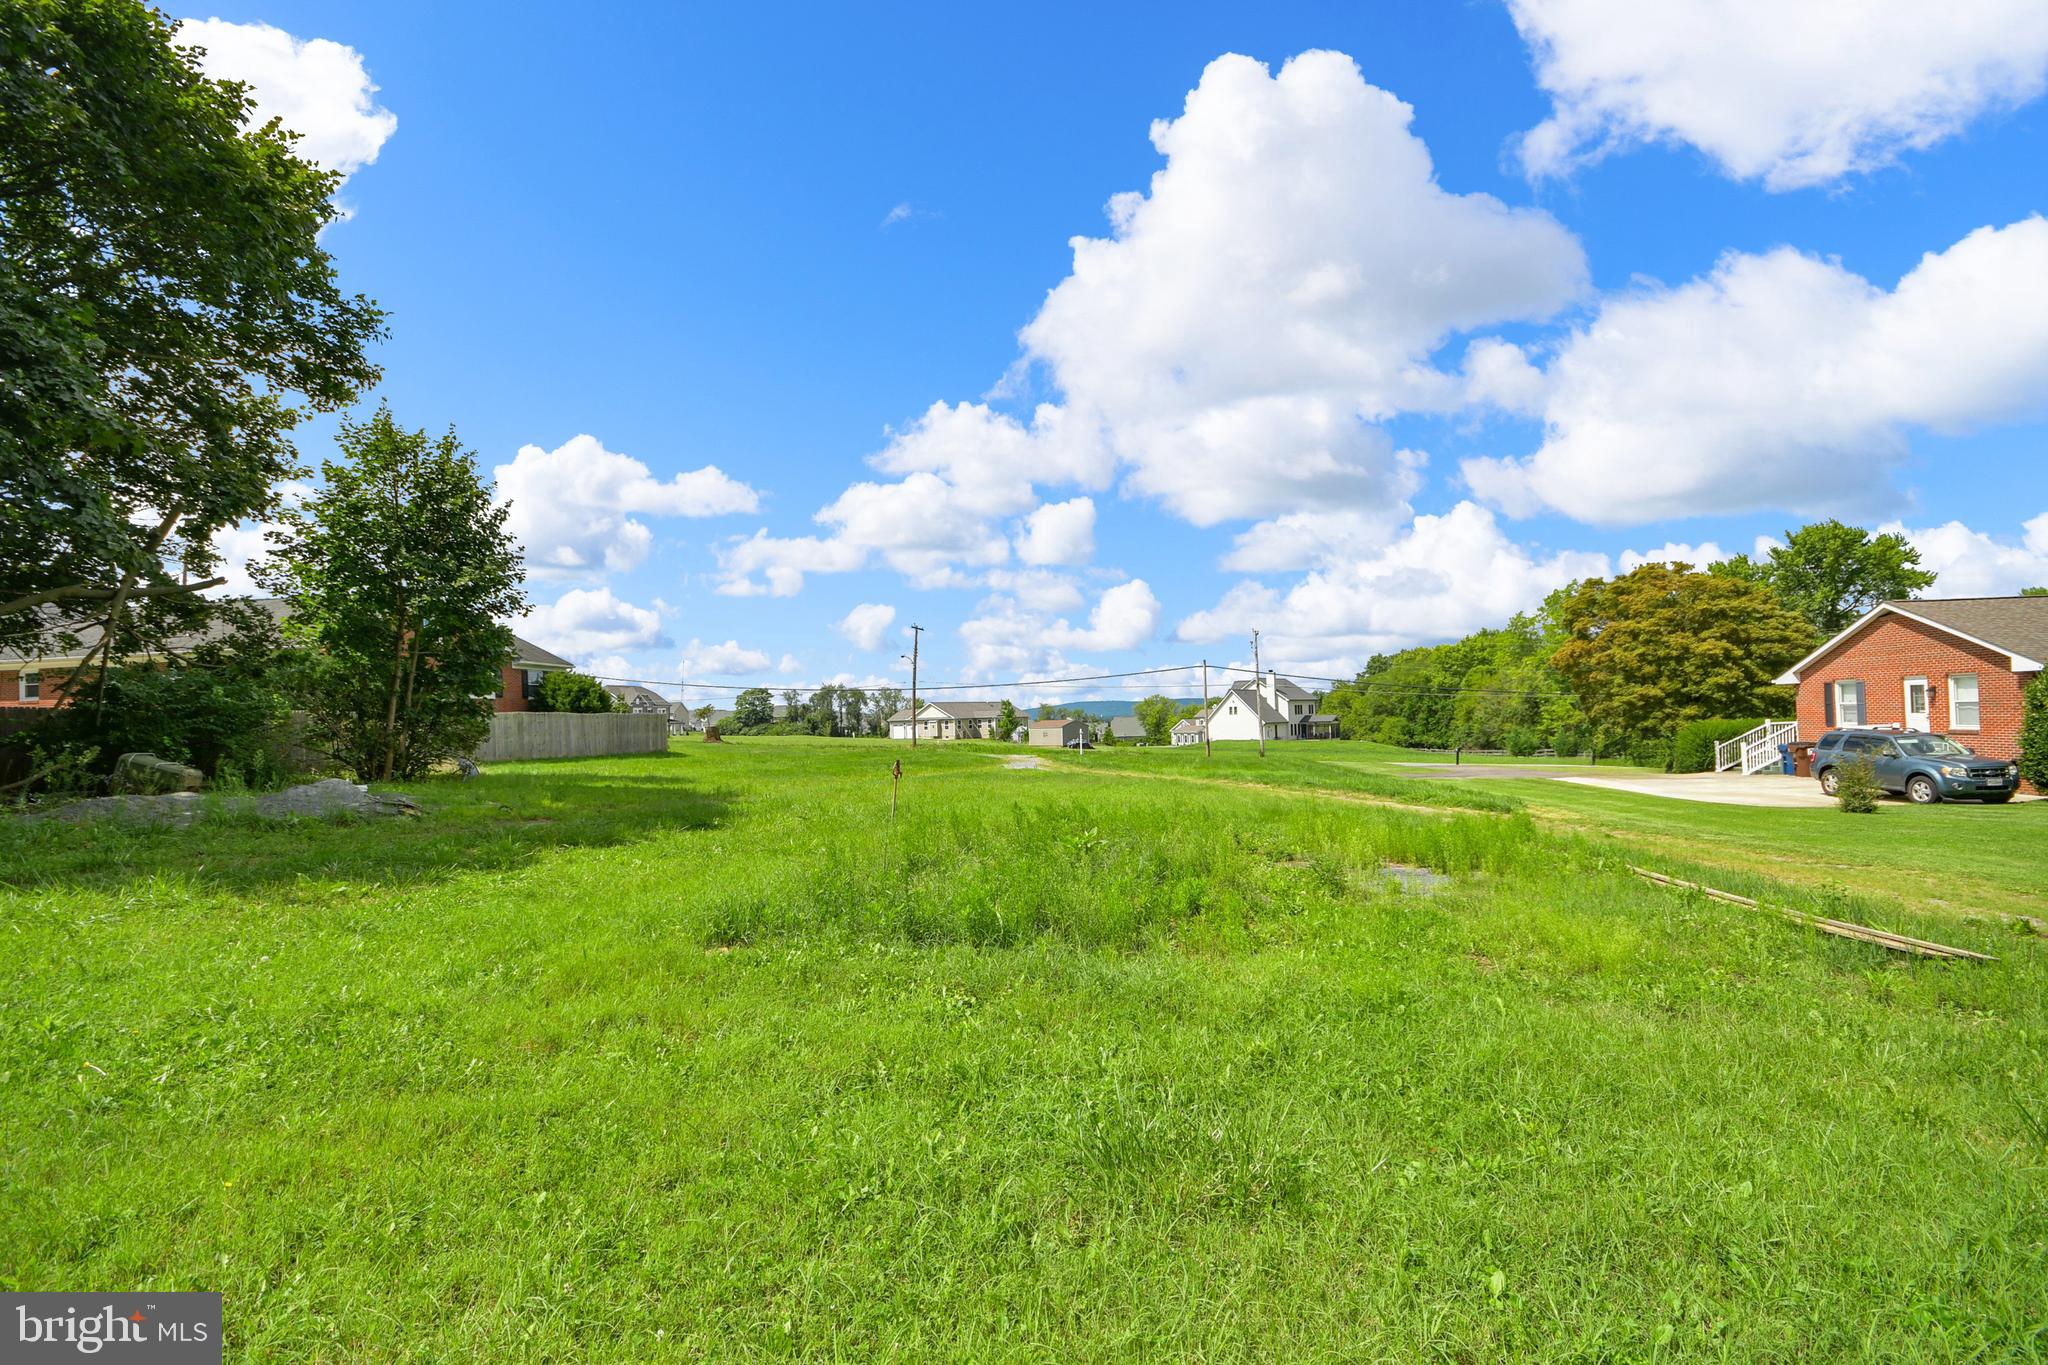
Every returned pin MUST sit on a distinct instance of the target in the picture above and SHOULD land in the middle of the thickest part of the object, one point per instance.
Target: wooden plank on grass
(1862, 933)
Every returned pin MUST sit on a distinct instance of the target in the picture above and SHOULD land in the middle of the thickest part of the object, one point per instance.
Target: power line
(926, 689)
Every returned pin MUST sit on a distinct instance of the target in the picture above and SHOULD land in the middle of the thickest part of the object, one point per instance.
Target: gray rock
(148, 775)
(332, 797)
(316, 800)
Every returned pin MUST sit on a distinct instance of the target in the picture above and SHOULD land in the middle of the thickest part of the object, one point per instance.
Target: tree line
(1619, 665)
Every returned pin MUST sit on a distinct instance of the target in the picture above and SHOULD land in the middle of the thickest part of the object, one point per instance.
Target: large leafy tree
(399, 573)
(753, 709)
(1831, 573)
(1659, 646)
(166, 314)
(883, 703)
(1157, 714)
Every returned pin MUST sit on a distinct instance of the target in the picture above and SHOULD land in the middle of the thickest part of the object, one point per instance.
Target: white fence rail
(559, 734)
(1757, 749)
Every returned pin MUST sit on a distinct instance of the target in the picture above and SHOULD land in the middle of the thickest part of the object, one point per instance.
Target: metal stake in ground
(895, 781)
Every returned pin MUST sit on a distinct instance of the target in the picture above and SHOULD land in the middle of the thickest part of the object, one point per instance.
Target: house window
(1962, 701)
(531, 690)
(31, 686)
(1233, 709)
(1848, 700)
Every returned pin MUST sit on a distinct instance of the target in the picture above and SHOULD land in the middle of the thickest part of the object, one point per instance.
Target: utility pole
(916, 637)
(1207, 752)
(1260, 682)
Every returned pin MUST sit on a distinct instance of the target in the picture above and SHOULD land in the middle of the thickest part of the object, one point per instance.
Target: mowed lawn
(704, 1056)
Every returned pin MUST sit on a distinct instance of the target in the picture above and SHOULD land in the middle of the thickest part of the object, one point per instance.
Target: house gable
(2020, 626)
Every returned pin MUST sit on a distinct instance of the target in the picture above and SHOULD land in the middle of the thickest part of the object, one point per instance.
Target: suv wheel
(1921, 791)
(1829, 780)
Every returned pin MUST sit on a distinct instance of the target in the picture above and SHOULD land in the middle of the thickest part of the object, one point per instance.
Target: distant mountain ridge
(1118, 706)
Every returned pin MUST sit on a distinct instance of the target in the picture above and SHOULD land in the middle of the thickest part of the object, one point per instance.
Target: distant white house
(1188, 731)
(948, 720)
(638, 698)
(1270, 706)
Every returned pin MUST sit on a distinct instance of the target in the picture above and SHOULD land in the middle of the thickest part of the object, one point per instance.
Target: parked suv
(1921, 767)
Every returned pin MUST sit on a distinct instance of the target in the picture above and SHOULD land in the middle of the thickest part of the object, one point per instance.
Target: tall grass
(703, 1057)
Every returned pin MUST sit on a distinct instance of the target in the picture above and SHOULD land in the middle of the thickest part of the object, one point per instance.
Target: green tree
(566, 690)
(853, 711)
(2034, 592)
(753, 709)
(1652, 649)
(819, 715)
(166, 312)
(1006, 720)
(1157, 714)
(1831, 573)
(398, 573)
(885, 702)
(2034, 733)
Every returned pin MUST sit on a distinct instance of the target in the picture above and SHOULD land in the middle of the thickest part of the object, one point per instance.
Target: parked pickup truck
(1923, 768)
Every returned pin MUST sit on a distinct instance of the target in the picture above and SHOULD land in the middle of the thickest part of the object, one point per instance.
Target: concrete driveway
(1718, 789)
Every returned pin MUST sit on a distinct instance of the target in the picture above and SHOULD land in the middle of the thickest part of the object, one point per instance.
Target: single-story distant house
(638, 698)
(1270, 706)
(1056, 732)
(948, 720)
(39, 680)
(1128, 729)
(1189, 731)
(1956, 666)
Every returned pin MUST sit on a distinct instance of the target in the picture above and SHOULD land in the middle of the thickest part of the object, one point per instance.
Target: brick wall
(511, 690)
(1892, 649)
(52, 689)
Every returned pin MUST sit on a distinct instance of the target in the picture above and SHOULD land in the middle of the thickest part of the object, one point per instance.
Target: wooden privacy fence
(560, 734)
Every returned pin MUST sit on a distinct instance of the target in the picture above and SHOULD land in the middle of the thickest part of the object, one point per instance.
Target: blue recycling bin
(1789, 764)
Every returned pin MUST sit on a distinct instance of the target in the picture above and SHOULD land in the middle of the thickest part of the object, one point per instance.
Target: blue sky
(1356, 376)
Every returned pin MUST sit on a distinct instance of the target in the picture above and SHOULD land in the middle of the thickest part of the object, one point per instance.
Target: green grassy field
(703, 1055)
(1959, 858)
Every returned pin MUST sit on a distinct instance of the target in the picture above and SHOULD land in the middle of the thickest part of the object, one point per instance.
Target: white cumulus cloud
(1446, 576)
(1058, 533)
(1124, 617)
(1281, 286)
(575, 508)
(867, 624)
(585, 621)
(1791, 94)
(721, 661)
(317, 88)
(1781, 381)
(1969, 563)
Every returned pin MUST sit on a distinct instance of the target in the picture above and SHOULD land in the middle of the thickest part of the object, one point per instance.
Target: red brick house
(39, 680)
(1955, 666)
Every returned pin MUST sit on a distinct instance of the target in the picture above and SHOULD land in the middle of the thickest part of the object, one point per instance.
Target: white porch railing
(1755, 750)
